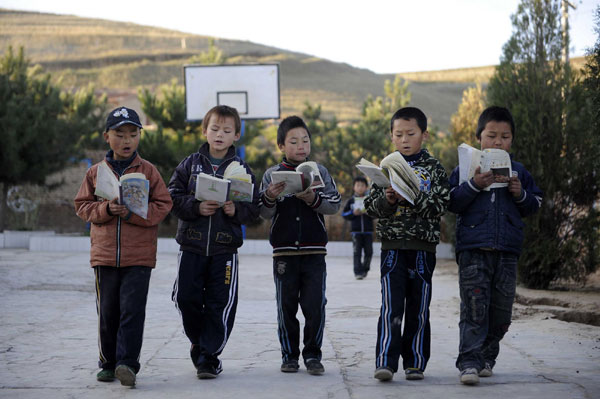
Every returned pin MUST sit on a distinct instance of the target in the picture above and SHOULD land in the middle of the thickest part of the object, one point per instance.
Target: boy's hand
(392, 196)
(482, 180)
(357, 212)
(116, 209)
(229, 208)
(208, 208)
(307, 196)
(274, 190)
(514, 186)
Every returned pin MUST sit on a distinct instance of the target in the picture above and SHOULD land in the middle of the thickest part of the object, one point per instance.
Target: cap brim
(116, 125)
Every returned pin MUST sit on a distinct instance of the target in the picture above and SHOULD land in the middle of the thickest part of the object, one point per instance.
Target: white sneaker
(486, 371)
(384, 374)
(469, 376)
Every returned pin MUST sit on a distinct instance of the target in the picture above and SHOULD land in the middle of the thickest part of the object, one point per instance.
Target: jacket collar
(288, 165)
(205, 150)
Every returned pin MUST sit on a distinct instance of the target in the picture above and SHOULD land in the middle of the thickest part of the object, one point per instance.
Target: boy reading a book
(123, 249)
(489, 238)
(409, 234)
(209, 234)
(298, 237)
(361, 228)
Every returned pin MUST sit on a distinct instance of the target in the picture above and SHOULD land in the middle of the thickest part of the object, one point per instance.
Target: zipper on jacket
(119, 226)
(208, 237)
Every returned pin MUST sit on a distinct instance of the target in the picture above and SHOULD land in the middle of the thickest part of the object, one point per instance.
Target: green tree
(553, 140)
(86, 113)
(213, 55)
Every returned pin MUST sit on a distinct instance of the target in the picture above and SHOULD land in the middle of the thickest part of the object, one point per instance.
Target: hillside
(120, 57)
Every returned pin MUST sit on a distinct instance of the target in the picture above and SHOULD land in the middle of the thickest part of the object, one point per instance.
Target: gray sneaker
(126, 375)
(384, 374)
(486, 371)
(290, 366)
(314, 367)
(469, 376)
(413, 374)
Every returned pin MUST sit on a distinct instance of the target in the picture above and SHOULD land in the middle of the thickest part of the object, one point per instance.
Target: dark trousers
(300, 279)
(362, 242)
(405, 291)
(121, 294)
(487, 281)
(205, 293)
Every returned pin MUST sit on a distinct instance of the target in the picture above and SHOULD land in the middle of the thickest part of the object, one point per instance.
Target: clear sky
(385, 36)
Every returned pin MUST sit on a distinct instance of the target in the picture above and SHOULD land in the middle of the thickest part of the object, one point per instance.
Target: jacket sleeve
(327, 199)
(159, 203)
(87, 206)
(347, 212)
(377, 205)
(246, 212)
(267, 208)
(185, 206)
(531, 196)
(434, 203)
(461, 195)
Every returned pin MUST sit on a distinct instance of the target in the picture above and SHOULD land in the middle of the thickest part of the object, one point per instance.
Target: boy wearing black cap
(123, 249)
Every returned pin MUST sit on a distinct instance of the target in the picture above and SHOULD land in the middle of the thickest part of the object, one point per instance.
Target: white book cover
(211, 188)
(294, 182)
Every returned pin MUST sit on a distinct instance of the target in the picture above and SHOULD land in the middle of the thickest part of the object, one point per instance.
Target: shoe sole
(126, 376)
(470, 380)
(206, 376)
(289, 369)
(485, 373)
(316, 372)
(383, 375)
(105, 379)
(414, 377)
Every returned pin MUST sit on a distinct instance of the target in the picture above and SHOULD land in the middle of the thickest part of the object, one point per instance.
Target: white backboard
(252, 89)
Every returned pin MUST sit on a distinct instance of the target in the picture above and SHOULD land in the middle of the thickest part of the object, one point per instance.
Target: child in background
(299, 237)
(123, 249)
(209, 234)
(489, 238)
(409, 235)
(361, 228)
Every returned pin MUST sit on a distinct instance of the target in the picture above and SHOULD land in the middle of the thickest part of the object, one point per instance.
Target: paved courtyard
(48, 340)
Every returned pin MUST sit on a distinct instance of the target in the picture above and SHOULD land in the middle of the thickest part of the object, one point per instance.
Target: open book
(236, 185)
(494, 159)
(395, 171)
(306, 175)
(132, 189)
(359, 204)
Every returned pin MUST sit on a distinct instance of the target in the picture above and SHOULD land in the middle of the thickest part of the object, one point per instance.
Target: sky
(385, 36)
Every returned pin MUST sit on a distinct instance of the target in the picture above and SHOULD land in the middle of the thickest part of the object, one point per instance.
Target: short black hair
(496, 114)
(408, 113)
(222, 111)
(289, 123)
(360, 179)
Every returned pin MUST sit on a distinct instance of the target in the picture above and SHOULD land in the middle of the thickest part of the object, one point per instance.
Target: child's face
(296, 146)
(407, 136)
(360, 188)
(496, 135)
(220, 135)
(123, 140)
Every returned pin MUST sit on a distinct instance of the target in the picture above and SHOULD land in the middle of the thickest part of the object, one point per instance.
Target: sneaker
(290, 366)
(384, 374)
(469, 376)
(106, 375)
(359, 276)
(126, 375)
(206, 372)
(314, 367)
(413, 374)
(486, 371)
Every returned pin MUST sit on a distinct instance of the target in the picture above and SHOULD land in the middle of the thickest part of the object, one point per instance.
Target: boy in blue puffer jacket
(489, 238)
(209, 235)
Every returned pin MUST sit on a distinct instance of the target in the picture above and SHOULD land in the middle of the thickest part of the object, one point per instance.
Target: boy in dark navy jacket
(299, 237)
(489, 238)
(209, 235)
(361, 228)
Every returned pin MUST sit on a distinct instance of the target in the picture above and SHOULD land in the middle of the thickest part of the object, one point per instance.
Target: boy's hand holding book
(392, 196)
(514, 185)
(483, 180)
(274, 189)
(117, 209)
(307, 195)
(229, 208)
(208, 208)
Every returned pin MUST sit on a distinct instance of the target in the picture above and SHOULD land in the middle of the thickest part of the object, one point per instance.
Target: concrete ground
(48, 340)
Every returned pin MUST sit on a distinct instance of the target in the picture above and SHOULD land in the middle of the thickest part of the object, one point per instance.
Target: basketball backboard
(252, 89)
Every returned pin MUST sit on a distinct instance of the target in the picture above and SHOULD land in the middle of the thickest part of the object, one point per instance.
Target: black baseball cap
(121, 116)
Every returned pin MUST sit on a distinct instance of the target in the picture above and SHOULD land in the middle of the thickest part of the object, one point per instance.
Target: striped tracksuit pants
(405, 291)
(206, 294)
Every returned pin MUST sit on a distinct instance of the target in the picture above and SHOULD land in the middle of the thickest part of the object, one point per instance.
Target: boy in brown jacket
(123, 250)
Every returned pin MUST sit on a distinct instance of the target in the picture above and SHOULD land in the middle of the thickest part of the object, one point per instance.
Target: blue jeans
(487, 281)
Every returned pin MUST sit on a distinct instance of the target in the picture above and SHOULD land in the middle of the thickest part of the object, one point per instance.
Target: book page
(210, 188)
(401, 187)
(240, 190)
(469, 158)
(374, 173)
(403, 170)
(498, 161)
(293, 181)
(107, 185)
(310, 168)
(135, 193)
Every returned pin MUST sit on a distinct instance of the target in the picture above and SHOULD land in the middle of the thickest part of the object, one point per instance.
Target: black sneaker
(314, 367)
(206, 372)
(290, 366)
(126, 375)
(384, 374)
(106, 375)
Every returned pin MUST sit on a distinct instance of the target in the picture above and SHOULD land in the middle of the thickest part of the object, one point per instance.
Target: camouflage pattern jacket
(415, 226)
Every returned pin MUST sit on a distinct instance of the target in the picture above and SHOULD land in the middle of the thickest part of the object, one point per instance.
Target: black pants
(405, 290)
(362, 242)
(121, 294)
(300, 279)
(206, 292)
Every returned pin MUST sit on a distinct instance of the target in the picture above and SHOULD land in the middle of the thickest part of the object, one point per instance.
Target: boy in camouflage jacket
(409, 234)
